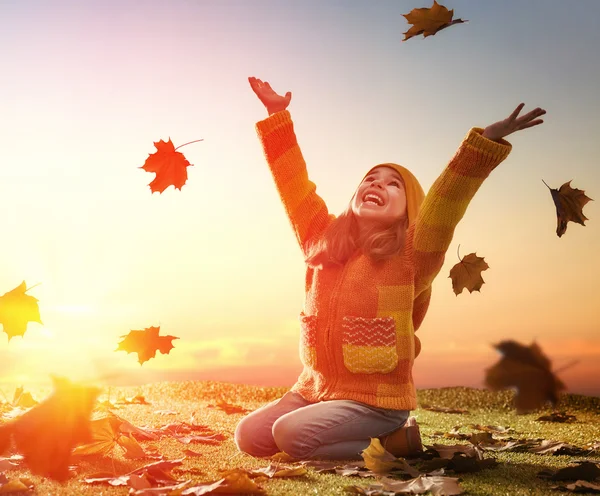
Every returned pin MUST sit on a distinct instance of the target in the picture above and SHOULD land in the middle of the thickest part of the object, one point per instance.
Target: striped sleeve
(305, 209)
(447, 200)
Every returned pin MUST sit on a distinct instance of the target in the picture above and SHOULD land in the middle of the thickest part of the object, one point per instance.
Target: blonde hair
(341, 240)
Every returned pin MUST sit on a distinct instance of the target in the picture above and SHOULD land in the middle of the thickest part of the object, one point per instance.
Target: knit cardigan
(359, 320)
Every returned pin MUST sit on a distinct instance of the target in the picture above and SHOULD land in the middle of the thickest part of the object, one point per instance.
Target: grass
(515, 474)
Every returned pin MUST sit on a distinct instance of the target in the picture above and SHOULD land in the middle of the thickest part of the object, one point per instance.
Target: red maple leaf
(169, 165)
(146, 343)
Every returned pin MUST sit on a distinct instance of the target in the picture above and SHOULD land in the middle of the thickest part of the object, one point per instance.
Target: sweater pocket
(369, 344)
(308, 339)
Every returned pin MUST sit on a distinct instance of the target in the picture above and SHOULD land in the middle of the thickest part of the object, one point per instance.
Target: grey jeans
(334, 430)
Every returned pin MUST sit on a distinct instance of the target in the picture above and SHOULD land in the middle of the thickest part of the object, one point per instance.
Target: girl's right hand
(271, 100)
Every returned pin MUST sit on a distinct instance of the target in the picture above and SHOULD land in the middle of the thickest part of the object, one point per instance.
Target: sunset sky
(87, 87)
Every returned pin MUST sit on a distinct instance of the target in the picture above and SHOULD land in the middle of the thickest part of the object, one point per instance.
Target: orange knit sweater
(359, 319)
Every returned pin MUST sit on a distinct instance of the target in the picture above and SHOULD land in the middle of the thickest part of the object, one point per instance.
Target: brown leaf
(443, 409)
(569, 204)
(527, 369)
(169, 165)
(556, 448)
(380, 461)
(496, 429)
(229, 408)
(428, 21)
(47, 434)
(20, 486)
(582, 471)
(276, 470)
(438, 486)
(582, 486)
(146, 343)
(467, 274)
(236, 482)
(17, 309)
(448, 451)
(562, 417)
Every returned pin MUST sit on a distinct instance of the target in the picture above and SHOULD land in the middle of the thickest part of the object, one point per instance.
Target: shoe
(405, 441)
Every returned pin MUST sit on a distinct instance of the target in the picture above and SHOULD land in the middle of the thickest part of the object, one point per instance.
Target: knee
(289, 438)
(245, 438)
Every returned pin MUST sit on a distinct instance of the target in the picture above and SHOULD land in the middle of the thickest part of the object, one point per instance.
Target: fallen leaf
(527, 369)
(47, 434)
(169, 165)
(467, 274)
(23, 398)
(562, 417)
(448, 451)
(146, 343)
(569, 204)
(20, 485)
(437, 485)
(582, 486)
(496, 429)
(17, 309)
(428, 21)
(229, 408)
(582, 471)
(556, 448)
(106, 435)
(235, 482)
(380, 461)
(276, 470)
(443, 409)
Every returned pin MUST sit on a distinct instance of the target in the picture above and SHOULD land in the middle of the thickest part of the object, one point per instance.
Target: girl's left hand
(513, 123)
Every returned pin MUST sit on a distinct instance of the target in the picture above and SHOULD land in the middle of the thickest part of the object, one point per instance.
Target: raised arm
(305, 209)
(447, 200)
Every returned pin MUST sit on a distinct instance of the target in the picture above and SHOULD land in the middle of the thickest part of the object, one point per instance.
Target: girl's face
(380, 198)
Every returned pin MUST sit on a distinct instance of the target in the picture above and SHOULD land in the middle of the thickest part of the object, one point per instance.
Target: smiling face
(380, 199)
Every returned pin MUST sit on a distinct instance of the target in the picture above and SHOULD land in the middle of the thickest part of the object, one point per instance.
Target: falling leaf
(146, 343)
(467, 274)
(527, 369)
(562, 417)
(47, 434)
(17, 309)
(569, 204)
(169, 165)
(428, 21)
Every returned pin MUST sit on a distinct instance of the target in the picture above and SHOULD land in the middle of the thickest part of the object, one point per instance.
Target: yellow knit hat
(414, 191)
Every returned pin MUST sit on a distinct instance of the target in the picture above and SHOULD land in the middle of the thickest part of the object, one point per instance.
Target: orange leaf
(146, 343)
(527, 369)
(428, 21)
(569, 204)
(467, 274)
(47, 433)
(169, 165)
(17, 309)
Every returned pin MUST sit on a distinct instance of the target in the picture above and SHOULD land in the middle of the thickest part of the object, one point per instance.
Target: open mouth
(373, 199)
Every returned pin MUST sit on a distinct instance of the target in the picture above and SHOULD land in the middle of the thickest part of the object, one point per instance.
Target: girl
(368, 285)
